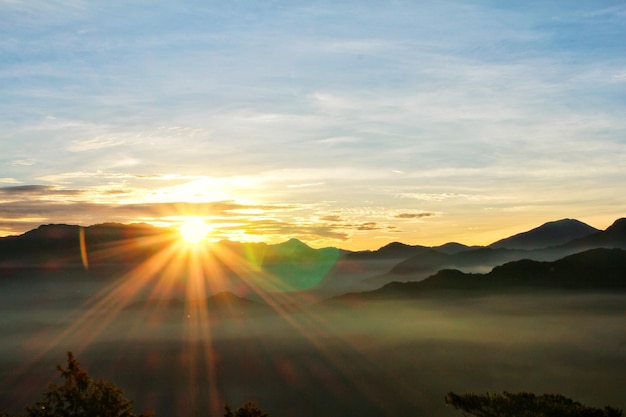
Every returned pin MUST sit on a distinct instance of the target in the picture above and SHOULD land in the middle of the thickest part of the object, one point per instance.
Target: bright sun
(194, 230)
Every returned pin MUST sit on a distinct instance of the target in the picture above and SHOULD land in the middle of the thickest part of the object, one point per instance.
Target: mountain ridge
(112, 249)
(596, 269)
(552, 233)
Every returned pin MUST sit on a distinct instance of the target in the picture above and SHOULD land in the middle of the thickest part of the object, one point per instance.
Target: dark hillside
(613, 237)
(596, 269)
(549, 234)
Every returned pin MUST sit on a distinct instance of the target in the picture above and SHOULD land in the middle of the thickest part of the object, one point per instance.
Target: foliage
(525, 404)
(82, 396)
(249, 409)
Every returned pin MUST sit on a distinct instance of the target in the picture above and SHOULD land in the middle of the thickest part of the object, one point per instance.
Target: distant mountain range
(545, 243)
(113, 249)
(594, 269)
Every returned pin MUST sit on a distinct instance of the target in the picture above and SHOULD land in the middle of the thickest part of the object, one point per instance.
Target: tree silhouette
(82, 396)
(249, 409)
(525, 404)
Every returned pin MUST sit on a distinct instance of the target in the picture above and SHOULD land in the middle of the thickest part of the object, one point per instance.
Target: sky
(350, 124)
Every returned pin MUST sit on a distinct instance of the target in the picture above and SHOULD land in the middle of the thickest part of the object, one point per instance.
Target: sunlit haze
(344, 124)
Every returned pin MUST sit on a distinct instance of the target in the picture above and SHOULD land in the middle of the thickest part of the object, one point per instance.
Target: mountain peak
(294, 244)
(618, 227)
(552, 233)
(451, 248)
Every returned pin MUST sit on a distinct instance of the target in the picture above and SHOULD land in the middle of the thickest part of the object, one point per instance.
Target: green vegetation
(82, 396)
(525, 404)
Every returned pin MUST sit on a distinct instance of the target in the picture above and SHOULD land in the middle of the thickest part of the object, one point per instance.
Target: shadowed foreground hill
(596, 269)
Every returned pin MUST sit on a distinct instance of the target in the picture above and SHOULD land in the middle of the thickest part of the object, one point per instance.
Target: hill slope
(548, 234)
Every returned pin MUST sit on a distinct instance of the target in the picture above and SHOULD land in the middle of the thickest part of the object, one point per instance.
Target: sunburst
(194, 230)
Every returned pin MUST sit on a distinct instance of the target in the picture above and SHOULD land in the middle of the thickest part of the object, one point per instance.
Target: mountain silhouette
(595, 269)
(393, 250)
(59, 245)
(548, 234)
(483, 259)
(613, 237)
(452, 248)
(113, 249)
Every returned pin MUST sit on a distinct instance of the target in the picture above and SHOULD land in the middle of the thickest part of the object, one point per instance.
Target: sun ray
(194, 269)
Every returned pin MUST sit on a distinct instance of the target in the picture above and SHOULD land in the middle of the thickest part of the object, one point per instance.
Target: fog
(333, 359)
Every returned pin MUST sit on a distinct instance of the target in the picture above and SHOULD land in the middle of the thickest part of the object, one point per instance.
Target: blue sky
(350, 124)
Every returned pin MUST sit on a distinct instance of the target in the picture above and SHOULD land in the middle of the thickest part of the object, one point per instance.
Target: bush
(82, 396)
(249, 409)
(525, 404)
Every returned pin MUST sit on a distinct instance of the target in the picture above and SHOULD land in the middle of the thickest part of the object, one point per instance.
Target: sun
(194, 230)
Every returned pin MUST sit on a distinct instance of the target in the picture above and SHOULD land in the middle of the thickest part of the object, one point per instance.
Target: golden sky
(349, 125)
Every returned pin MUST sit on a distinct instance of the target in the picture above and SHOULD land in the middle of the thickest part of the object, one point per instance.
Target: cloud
(67, 177)
(37, 200)
(25, 189)
(9, 181)
(22, 162)
(37, 190)
(338, 140)
(331, 218)
(305, 185)
(414, 215)
(94, 144)
(430, 197)
(369, 226)
(620, 76)
(267, 227)
(445, 196)
(617, 11)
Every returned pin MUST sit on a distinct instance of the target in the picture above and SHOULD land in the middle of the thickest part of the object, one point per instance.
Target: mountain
(613, 237)
(481, 259)
(595, 269)
(293, 265)
(61, 245)
(111, 249)
(393, 250)
(452, 248)
(548, 234)
(114, 250)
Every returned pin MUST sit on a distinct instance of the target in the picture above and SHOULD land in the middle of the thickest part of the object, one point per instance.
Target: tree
(525, 404)
(82, 396)
(249, 409)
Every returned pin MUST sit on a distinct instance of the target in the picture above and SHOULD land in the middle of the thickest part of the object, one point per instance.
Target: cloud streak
(94, 144)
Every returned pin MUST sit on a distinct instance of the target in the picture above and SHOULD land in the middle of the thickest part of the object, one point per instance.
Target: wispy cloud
(445, 196)
(305, 185)
(9, 181)
(36, 190)
(413, 215)
(94, 144)
(22, 162)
